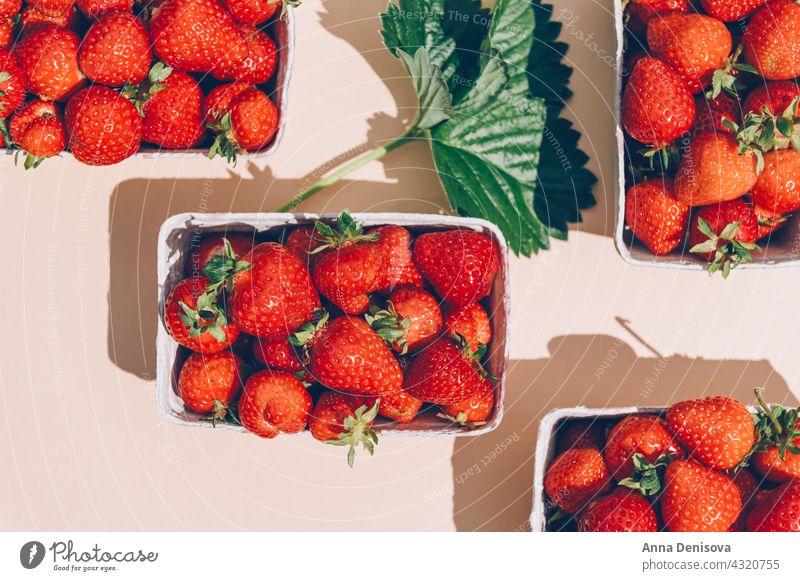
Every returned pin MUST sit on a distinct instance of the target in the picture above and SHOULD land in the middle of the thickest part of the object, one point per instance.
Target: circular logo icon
(31, 554)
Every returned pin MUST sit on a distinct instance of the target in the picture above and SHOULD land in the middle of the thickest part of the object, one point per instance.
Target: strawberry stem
(759, 391)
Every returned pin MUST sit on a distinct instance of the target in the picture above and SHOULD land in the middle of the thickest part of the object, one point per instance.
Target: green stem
(762, 402)
(331, 178)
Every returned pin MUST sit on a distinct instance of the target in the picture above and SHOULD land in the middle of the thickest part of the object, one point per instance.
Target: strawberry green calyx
(31, 161)
(223, 413)
(224, 144)
(725, 80)
(474, 356)
(347, 231)
(765, 131)
(461, 420)
(777, 426)
(358, 430)
(728, 253)
(389, 326)
(286, 4)
(207, 317)
(667, 156)
(647, 476)
(6, 135)
(304, 336)
(139, 94)
(222, 269)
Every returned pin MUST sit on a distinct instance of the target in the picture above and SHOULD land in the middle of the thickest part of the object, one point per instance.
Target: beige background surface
(82, 446)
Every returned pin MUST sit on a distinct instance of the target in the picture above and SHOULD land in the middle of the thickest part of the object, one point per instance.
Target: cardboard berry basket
(179, 233)
(782, 249)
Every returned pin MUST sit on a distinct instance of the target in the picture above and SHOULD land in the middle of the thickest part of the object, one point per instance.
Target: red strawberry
(575, 478)
(712, 170)
(116, 50)
(748, 488)
(459, 264)
(31, 18)
(173, 115)
(400, 406)
(249, 124)
(9, 8)
(49, 56)
(778, 455)
(694, 45)
(730, 10)
(13, 84)
(411, 319)
(712, 112)
(646, 435)
(348, 264)
(347, 355)
(471, 322)
(274, 402)
(622, 511)
(777, 188)
(474, 411)
(277, 354)
(639, 14)
(214, 245)
(718, 431)
(103, 126)
(6, 33)
(768, 222)
(778, 511)
(344, 420)
(262, 57)
(194, 320)
(197, 36)
(580, 434)
(220, 98)
(724, 235)
(52, 7)
(775, 96)
(94, 8)
(443, 374)
(655, 216)
(302, 241)
(698, 499)
(209, 382)
(657, 106)
(275, 296)
(394, 244)
(253, 11)
(38, 130)
(772, 40)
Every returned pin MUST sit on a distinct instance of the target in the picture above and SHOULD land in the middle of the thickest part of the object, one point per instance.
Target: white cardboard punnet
(175, 241)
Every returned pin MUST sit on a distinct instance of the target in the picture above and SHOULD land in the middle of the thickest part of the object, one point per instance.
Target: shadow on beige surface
(493, 474)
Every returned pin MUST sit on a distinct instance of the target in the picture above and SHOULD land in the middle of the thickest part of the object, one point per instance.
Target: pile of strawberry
(706, 465)
(102, 77)
(711, 116)
(335, 326)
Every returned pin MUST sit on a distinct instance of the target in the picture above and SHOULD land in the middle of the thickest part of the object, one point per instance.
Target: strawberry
(302, 241)
(698, 499)
(344, 420)
(103, 126)
(444, 373)
(713, 170)
(262, 57)
(274, 402)
(655, 216)
(13, 84)
(52, 7)
(116, 50)
(277, 354)
(214, 245)
(31, 18)
(712, 112)
(194, 320)
(394, 243)
(208, 382)
(9, 9)
(730, 10)
(347, 355)
(768, 222)
(459, 264)
(639, 14)
(645, 435)
(252, 11)
(718, 431)
(6, 33)
(693, 45)
(747, 485)
(348, 264)
(657, 106)
(474, 411)
(249, 124)
(275, 295)
(37, 129)
(777, 188)
(724, 235)
(775, 96)
(580, 434)
(620, 512)
(197, 36)
(220, 98)
(400, 406)
(778, 455)
(410, 321)
(772, 40)
(95, 8)
(49, 56)
(575, 478)
(173, 114)
(778, 511)
(471, 322)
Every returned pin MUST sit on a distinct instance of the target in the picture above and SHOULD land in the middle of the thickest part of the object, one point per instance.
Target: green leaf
(435, 101)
